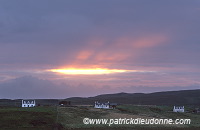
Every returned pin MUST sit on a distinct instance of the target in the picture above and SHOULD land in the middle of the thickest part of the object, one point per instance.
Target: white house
(178, 109)
(28, 103)
(102, 105)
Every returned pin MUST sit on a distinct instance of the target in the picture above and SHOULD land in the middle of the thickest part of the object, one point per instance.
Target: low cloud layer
(31, 87)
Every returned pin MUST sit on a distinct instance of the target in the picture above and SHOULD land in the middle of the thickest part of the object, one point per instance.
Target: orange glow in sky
(89, 71)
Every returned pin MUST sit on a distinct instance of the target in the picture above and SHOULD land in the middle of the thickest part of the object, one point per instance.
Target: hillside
(184, 97)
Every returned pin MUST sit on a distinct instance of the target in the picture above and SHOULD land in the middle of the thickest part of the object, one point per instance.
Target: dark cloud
(31, 87)
(57, 30)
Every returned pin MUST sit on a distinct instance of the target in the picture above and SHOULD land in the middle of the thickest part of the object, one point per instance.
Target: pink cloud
(98, 52)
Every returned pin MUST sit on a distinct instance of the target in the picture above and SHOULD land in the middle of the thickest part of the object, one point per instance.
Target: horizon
(97, 95)
(53, 49)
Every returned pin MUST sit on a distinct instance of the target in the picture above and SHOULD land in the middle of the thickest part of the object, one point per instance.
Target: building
(102, 105)
(113, 105)
(28, 103)
(196, 110)
(65, 103)
(178, 109)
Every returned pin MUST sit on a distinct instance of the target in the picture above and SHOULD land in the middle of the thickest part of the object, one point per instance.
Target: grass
(161, 112)
(48, 118)
(27, 118)
(72, 118)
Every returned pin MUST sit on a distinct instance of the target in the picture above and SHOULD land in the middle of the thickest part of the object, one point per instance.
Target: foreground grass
(162, 112)
(72, 117)
(27, 118)
(45, 118)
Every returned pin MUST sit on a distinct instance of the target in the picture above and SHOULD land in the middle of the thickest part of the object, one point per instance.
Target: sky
(135, 45)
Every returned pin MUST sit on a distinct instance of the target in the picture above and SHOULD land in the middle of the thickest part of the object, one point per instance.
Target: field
(37, 118)
(61, 118)
(72, 117)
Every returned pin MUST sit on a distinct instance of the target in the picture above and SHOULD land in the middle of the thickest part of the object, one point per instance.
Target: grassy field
(72, 117)
(16, 118)
(162, 112)
(61, 118)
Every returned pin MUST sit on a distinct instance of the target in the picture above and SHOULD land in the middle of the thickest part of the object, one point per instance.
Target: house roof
(97, 103)
(113, 104)
(179, 107)
(28, 101)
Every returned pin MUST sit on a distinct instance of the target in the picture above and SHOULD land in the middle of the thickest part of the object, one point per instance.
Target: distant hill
(184, 97)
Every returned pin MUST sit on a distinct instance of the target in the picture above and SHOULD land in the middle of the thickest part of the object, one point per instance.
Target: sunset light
(95, 71)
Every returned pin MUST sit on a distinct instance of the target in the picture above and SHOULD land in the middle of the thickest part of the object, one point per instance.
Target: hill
(183, 97)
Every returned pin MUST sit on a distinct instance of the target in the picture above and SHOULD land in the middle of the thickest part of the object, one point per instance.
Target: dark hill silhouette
(183, 97)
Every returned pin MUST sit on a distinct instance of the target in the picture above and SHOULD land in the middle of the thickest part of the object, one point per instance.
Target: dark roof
(97, 103)
(113, 104)
(27, 101)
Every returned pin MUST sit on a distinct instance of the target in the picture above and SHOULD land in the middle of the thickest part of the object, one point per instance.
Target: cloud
(84, 55)
(31, 87)
(62, 31)
(104, 52)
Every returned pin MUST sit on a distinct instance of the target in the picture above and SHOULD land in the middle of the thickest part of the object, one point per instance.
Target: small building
(28, 103)
(102, 105)
(196, 110)
(65, 103)
(113, 105)
(178, 109)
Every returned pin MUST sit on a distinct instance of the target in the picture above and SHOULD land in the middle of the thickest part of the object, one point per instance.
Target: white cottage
(28, 103)
(178, 109)
(102, 105)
